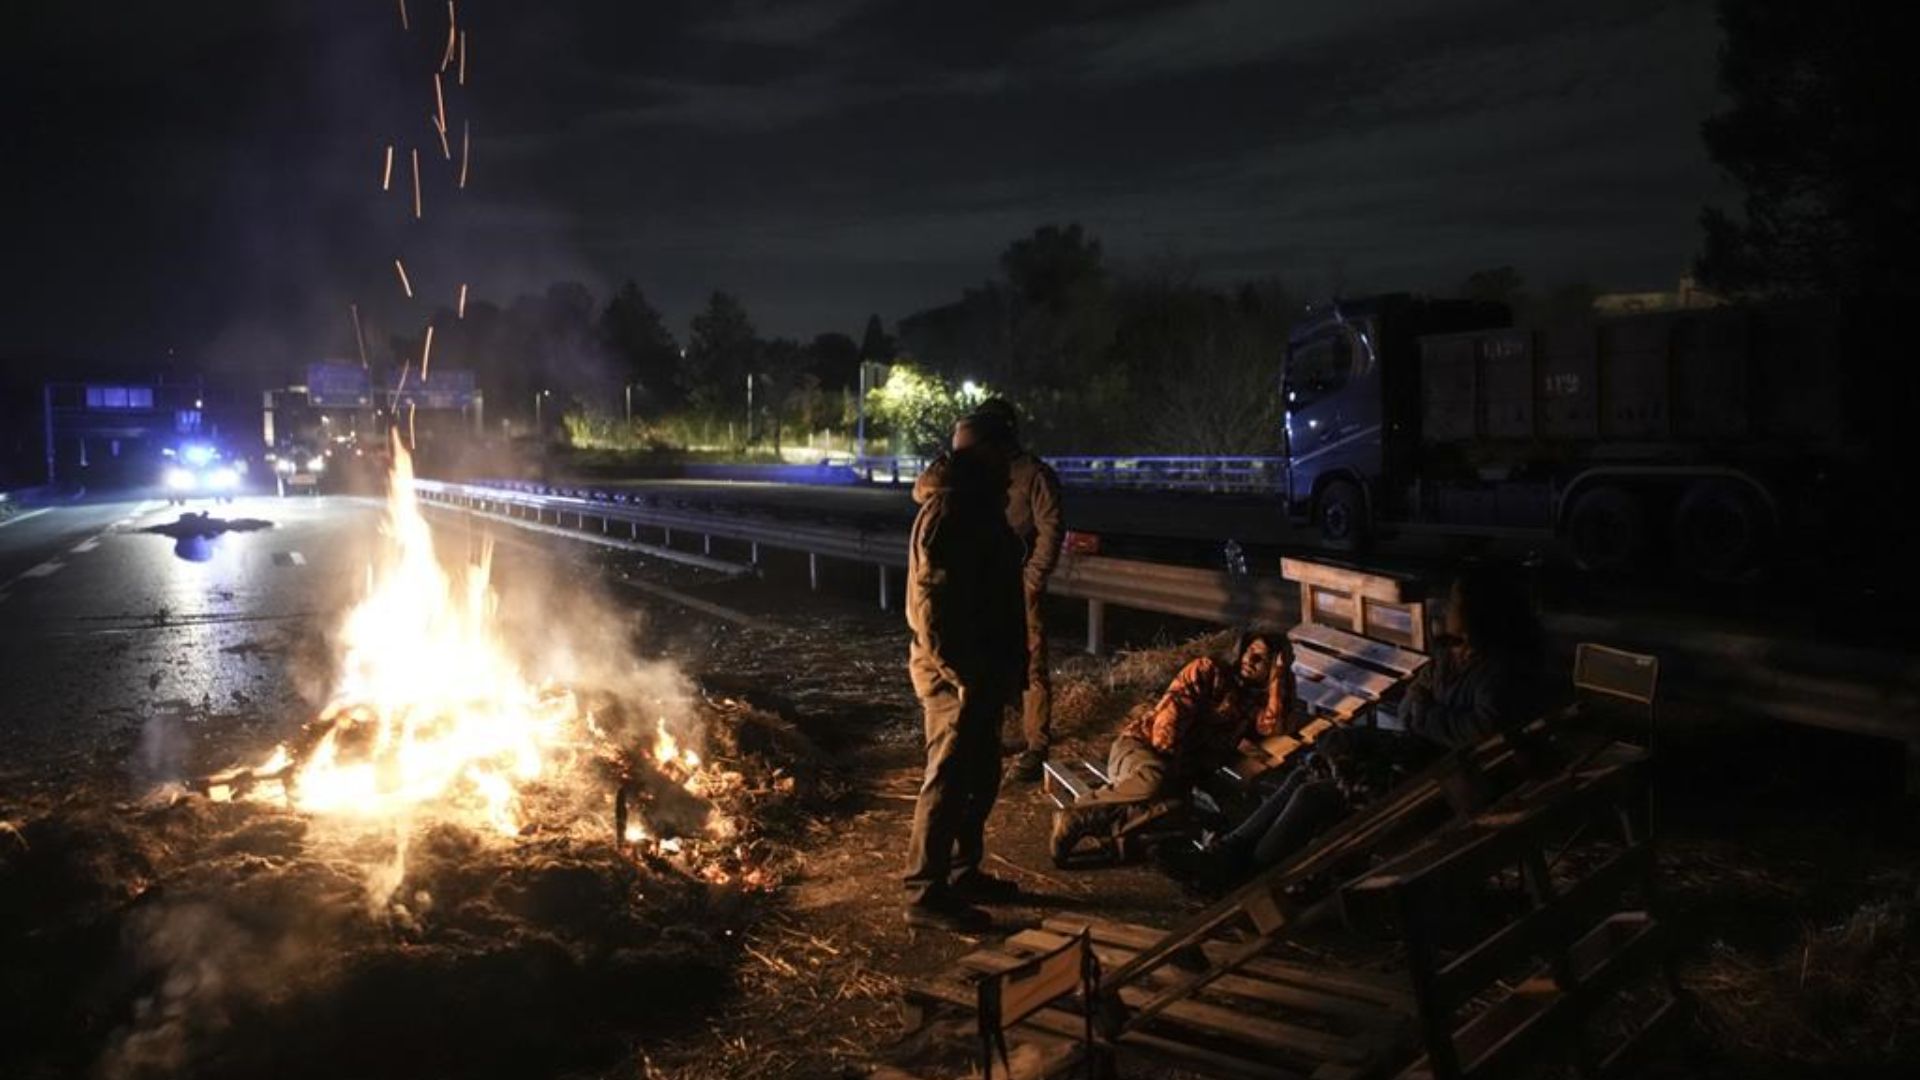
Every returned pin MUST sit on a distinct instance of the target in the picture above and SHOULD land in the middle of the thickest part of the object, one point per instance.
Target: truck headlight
(317, 464)
(179, 479)
(283, 467)
(223, 478)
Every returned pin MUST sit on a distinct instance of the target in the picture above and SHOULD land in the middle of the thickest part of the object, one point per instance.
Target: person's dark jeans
(1297, 811)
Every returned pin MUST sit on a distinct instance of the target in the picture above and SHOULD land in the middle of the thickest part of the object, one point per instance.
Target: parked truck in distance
(1704, 434)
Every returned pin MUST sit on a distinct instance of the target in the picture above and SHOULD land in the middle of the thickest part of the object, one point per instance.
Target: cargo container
(1703, 434)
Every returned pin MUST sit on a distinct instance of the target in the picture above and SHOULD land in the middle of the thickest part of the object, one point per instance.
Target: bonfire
(431, 719)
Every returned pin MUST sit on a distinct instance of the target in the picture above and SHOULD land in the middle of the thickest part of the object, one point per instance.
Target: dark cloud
(209, 180)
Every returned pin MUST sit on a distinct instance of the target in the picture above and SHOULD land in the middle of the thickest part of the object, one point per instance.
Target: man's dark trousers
(958, 790)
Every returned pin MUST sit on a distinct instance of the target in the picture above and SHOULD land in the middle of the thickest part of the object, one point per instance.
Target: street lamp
(539, 415)
(630, 387)
(860, 405)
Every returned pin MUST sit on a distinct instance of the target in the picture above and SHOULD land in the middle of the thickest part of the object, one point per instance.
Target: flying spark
(426, 353)
(466, 148)
(401, 268)
(463, 58)
(461, 310)
(359, 338)
(403, 16)
(386, 170)
(415, 152)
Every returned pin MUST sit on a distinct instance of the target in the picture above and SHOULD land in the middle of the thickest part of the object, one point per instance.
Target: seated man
(1208, 710)
(1480, 684)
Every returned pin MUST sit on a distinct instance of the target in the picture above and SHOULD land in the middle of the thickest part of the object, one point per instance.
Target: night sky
(205, 177)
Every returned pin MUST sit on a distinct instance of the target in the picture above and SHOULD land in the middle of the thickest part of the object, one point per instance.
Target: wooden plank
(1541, 930)
(1354, 647)
(1060, 783)
(1346, 580)
(1353, 1015)
(953, 992)
(1370, 684)
(1305, 1044)
(1381, 990)
(1330, 699)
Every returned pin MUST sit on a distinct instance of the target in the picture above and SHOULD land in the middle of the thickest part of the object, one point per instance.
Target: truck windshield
(1318, 368)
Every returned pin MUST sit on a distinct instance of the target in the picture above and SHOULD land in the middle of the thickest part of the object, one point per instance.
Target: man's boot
(1073, 824)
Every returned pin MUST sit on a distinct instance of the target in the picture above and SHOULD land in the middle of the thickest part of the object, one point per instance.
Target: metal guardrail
(1188, 592)
(1208, 475)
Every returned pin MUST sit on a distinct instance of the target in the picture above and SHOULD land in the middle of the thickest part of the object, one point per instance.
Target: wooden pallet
(1211, 998)
(1273, 1020)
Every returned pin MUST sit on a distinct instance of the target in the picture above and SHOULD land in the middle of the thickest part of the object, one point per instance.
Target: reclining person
(1208, 710)
(1481, 683)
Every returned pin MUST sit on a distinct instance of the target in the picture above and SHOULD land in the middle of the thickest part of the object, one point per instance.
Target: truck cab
(1351, 396)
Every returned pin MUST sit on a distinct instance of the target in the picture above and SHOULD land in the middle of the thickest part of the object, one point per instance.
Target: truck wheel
(1608, 529)
(1722, 532)
(1341, 511)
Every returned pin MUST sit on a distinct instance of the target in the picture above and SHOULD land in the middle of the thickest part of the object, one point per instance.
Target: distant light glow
(223, 478)
(316, 464)
(179, 479)
(197, 455)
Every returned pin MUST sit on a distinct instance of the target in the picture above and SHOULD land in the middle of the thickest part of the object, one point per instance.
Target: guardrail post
(706, 544)
(883, 588)
(813, 571)
(666, 537)
(1096, 626)
(636, 529)
(753, 553)
(604, 526)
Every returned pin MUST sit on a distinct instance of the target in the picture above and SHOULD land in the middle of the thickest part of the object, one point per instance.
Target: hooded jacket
(1033, 512)
(964, 601)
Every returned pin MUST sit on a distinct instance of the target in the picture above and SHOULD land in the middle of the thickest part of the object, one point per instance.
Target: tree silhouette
(1818, 137)
(722, 350)
(644, 349)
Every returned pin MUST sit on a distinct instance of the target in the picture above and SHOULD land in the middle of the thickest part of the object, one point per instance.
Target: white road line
(296, 558)
(17, 518)
(45, 569)
(86, 545)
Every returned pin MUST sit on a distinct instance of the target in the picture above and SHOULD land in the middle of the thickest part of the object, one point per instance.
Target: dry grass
(1092, 695)
(1845, 995)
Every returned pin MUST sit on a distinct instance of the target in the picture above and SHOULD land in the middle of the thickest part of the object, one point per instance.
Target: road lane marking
(289, 558)
(45, 569)
(17, 518)
(86, 545)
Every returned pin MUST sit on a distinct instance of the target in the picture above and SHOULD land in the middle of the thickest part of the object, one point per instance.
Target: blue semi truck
(1704, 435)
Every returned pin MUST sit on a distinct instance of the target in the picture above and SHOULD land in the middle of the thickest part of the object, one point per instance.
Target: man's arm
(1280, 694)
(1490, 706)
(929, 592)
(1048, 530)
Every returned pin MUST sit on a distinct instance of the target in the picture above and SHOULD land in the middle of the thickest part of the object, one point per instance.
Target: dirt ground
(185, 938)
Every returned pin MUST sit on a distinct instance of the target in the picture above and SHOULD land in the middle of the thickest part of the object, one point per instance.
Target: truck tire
(1341, 512)
(1607, 529)
(1722, 532)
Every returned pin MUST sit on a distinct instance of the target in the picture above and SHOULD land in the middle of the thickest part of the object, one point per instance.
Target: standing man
(967, 661)
(1033, 513)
